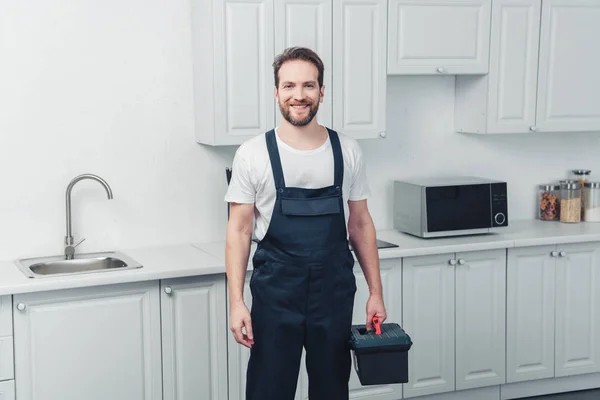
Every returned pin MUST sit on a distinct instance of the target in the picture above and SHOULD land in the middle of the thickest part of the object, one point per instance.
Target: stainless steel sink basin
(80, 264)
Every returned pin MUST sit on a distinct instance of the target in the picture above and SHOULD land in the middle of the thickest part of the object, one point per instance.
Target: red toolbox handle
(377, 325)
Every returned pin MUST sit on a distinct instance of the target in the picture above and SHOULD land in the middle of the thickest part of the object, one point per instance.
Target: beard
(286, 113)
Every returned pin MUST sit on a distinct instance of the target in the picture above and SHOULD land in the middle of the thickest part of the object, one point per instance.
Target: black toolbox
(380, 355)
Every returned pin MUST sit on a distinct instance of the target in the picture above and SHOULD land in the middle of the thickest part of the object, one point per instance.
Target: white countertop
(157, 263)
(209, 258)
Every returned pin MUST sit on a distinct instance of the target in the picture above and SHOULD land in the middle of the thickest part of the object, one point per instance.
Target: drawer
(7, 390)
(6, 341)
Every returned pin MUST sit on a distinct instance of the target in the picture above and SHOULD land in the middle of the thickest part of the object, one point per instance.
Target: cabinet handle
(461, 261)
(21, 306)
(382, 134)
(533, 128)
(554, 253)
(452, 262)
(168, 290)
(562, 254)
(441, 70)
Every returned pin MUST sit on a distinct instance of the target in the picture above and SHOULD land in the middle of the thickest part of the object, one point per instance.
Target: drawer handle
(21, 306)
(168, 290)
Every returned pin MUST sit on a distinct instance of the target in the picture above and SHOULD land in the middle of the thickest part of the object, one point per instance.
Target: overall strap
(338, 158)
(275, 160)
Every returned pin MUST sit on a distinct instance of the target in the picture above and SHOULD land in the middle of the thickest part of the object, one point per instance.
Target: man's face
(298, 93)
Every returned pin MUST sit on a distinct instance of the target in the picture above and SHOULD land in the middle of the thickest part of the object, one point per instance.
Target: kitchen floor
(581, 395)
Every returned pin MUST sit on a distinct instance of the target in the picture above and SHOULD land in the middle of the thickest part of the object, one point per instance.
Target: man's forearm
(364, 242)
(237, 251)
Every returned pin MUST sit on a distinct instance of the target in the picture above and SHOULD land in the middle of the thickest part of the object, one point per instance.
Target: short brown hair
(298, 53)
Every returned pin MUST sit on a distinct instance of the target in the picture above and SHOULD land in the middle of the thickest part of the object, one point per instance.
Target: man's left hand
(375, 307)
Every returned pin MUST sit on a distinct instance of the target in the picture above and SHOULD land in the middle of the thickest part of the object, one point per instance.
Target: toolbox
(380, 355)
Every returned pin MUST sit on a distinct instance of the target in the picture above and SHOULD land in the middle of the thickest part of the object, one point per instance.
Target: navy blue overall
(302, 290)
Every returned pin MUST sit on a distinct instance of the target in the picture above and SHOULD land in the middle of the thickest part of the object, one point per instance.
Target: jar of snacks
(582, 176)
(592, 202)
(570, 201)
(549, 202)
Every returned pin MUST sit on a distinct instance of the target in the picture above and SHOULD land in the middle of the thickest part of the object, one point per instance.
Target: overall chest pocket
(311, 206)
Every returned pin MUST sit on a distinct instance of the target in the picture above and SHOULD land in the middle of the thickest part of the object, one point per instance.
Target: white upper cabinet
(568, 82)
(359, 67)
(504, 100)
(233, 77)
(438, 36)
(307, 23)
(543, 70)
(235, 43)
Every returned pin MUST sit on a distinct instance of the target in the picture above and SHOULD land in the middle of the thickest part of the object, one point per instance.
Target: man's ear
(322, 93)
(276, 93)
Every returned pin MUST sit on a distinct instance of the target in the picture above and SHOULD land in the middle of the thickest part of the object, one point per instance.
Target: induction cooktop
(382, 244)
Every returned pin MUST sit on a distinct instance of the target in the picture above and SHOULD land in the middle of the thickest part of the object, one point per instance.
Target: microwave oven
(438, 207)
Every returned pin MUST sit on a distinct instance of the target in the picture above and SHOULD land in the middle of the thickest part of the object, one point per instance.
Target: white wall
(105, 88)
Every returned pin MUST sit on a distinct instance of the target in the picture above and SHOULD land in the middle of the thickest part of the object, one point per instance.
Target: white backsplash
(88, 91)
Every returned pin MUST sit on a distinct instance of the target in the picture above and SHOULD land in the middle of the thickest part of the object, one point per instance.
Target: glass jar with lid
(570, 201)
(591, 213)
(549, 202)
(582, 176)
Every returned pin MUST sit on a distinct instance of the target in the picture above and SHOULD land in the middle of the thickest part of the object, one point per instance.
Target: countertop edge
(204, 259)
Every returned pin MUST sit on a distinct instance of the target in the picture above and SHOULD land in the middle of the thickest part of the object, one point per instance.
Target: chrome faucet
(69, 246)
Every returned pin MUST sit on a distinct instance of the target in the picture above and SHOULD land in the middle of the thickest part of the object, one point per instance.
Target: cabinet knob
(533, 128)
(168, 290)
(21, 306)
(452, 262)
(554, 253)
(441, 70)
(461, 261)
(383, 134)
(562, 254)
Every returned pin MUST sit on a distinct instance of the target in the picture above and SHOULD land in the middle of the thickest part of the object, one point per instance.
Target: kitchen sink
(80, 264)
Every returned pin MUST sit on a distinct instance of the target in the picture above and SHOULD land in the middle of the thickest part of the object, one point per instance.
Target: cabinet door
(359, 67)
(438, 37)
(391, 280)
(530, 313)
(6, 340)
(194, 337)
(480, 319)
(577, 311)
(428, 317)
(92, 343)
(513, 66)
(307, 23)
(7, 390)
(243, 55)
(568, 70)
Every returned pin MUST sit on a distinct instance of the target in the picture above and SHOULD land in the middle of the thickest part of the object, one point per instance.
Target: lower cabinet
(553, 321)
(454, 311)
(194, 337)
(391, 275)
(91, 343)
(7, 390)
(6, 340)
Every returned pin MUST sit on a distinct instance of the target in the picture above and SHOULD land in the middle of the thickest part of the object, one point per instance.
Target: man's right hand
(240, 318)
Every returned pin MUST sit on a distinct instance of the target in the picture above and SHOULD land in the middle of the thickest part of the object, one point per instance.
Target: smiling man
(305, 187)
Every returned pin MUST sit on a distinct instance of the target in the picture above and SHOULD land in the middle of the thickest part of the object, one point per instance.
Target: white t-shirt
(252, 177)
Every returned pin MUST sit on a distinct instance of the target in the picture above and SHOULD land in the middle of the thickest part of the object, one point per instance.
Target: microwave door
(455, 208)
